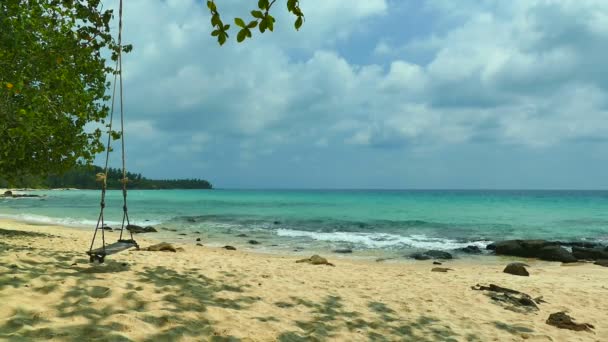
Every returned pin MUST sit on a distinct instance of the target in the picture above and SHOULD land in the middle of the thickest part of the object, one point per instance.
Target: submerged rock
(432, 254)
(597, 253)
(135, 229)
(563, 321)
(242, 235)
(517, 268)
(198, 239)
(230, 248)
(343, 250)
(253, 242)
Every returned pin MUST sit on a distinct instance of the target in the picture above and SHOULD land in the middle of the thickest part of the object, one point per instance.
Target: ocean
(370, 222)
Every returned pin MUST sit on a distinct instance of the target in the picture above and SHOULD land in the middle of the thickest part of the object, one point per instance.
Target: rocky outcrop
(541, 249)
(432, 254)
(517, 268)
(597, 253)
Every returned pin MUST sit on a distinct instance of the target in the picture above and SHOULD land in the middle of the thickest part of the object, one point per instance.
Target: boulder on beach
(230, 248)
(596, 253)
(432, 254)
(563, 321)
(541, 249)
(161, 247)
(517, 268)
(602, 263)
(315, 260)
(135, 229)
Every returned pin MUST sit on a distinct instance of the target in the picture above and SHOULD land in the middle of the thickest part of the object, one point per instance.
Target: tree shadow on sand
(89, 311)
(328, 318)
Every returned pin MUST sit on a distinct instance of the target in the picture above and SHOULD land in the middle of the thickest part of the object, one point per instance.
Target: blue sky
(372, 94)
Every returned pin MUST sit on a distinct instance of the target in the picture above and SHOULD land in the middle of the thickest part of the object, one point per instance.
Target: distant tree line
(83, 177)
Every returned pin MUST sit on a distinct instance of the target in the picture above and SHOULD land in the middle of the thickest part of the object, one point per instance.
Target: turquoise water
(362, 220)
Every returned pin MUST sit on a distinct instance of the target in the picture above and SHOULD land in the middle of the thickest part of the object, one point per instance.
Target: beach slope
(48, 290)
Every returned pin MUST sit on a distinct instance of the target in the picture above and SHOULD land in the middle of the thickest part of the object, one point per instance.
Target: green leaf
(252, 24)
(257, 14)
(298, 23)
(215, 32)
(222, 38)
(211, 6)
(242, 35)
(263, 4)
(239, 22)
(215, 20)
(262, 26)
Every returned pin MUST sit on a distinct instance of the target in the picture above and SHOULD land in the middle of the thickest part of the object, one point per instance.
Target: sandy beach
(49, 290)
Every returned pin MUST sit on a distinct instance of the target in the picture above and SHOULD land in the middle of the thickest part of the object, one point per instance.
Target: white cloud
(522, 72)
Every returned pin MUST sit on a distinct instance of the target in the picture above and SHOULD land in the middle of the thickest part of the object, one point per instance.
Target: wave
(383, 240)
(67, 221)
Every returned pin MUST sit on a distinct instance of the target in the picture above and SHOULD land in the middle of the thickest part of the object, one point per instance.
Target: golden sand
(48, 290)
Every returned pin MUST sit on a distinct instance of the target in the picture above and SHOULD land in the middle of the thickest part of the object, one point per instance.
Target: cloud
(510, 73)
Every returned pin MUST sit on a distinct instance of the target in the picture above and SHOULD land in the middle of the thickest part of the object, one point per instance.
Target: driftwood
(511, 299)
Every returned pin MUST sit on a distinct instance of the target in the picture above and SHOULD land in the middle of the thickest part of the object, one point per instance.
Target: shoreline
(49, 290)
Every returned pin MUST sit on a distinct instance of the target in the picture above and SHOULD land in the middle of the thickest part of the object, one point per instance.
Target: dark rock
(470, 250)
(602, 263)
(315, 260)
(491, 247)
(150, 229)
(8, 193)
(161, 247)
(277, 222)
(556, 253)
(343, 250)
(432, 254)
(542, 249)
(589, 253)
(253, 242)
(517, 269)
(564, 321)
(437, 263)
(420, 256)
(230, 248)
(199, 244)
(384, 259)
(190, 219)
(584, 244)
(242, 235)
(441, 269)
(108, 228)
(135, 229)
(512, 299)
(198, 239)
(182, 234)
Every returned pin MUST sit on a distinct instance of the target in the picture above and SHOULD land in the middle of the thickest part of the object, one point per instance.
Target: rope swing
(100, 253)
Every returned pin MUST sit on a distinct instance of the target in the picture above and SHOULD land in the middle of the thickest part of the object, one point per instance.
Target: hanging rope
(102, 177)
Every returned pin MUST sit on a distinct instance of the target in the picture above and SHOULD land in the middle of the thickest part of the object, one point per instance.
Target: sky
(396, 94)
